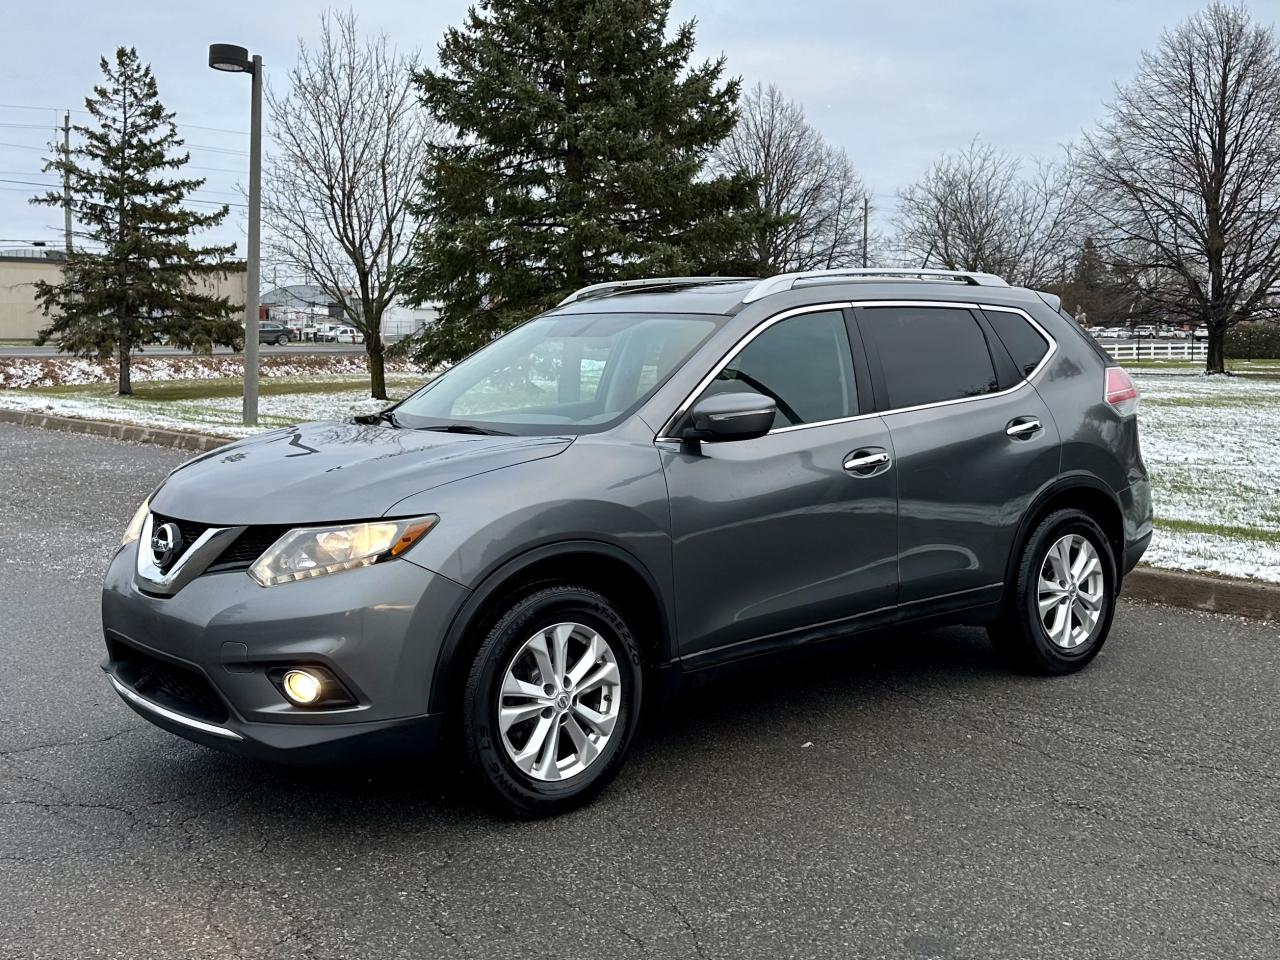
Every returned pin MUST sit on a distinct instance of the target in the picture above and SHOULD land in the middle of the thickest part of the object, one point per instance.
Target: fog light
(301, 687)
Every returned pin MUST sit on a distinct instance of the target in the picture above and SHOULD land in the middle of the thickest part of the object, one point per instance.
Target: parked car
(339, 333)
(1144, 330)
(271, 332)
(651, 483)
(268, 332)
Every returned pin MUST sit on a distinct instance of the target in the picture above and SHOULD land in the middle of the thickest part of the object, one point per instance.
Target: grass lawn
(165, 390)
(1212, 447)
(1258, 368)
(213, 406)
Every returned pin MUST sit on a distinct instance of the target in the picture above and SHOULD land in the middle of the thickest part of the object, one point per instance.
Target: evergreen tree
(142, 279)
(1090, 287)
(582, 137)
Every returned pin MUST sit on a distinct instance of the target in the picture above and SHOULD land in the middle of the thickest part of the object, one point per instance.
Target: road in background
(296, 349)
(908, 798)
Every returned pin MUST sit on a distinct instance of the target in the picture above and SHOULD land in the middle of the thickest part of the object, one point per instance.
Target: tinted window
(930, 354)
(803, 364)
(1024, 343)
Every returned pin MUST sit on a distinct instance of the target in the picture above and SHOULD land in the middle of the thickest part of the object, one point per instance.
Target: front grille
(179, 688)
(242, 552)
(247, 548)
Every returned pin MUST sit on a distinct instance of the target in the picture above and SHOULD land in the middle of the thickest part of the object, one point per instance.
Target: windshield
(564, 374)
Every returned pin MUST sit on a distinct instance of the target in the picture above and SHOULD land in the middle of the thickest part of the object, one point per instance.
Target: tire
(1022, 637)
(282, 341)
(532, 786)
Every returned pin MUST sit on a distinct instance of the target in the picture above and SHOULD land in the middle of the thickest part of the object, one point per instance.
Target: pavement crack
(673, 908)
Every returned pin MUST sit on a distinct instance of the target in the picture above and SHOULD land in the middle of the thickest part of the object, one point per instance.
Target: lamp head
(230, 58)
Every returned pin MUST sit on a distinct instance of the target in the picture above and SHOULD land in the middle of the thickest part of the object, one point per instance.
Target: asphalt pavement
(906, 798)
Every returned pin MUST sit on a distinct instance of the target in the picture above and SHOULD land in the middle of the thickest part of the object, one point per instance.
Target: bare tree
(350, 142)
(809, 191)
(976, 210)
(1185, 171)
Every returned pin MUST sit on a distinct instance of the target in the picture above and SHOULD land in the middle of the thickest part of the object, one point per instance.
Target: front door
(774, 535)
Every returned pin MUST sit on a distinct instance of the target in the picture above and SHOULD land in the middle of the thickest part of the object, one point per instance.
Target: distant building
(21, 317)
(300, 300)
(304, 304)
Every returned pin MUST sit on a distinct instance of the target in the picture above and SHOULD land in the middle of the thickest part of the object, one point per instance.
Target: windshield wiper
(467, 428)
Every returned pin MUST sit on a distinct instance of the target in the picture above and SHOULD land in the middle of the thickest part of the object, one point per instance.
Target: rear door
(775, 534)
(973, 444)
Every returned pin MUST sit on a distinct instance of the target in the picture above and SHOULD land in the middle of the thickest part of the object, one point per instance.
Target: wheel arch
(1081, 492)
(595, 564)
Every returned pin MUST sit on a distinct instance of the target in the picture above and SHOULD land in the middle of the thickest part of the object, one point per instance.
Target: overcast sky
(894, 83)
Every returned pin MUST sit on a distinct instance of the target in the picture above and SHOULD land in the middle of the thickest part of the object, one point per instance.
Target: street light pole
(234, 59)
(253, 265)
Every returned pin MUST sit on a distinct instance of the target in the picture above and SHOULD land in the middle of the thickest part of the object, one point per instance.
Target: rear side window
(929, 354)
(1022, 340)
(803, 364)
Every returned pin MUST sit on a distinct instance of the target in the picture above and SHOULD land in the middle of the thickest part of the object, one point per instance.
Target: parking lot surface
(905, 798)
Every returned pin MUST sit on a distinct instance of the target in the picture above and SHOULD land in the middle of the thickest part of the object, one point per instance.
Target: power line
(191, 199)
(191, 126)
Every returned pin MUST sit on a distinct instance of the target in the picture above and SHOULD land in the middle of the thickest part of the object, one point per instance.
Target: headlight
(134, 530)
(314, 551)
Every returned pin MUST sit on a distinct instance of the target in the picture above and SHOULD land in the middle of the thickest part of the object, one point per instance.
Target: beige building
(20, 315)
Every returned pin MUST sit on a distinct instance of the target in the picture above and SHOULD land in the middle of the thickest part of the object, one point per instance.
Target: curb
(1195, 591)
(181, 439)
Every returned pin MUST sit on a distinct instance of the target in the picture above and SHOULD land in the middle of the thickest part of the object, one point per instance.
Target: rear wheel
(552, 700)
(1063, 596)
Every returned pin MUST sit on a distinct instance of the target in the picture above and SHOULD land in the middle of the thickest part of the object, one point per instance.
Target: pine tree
(1089, 288)
(141, 280)
(582, 138)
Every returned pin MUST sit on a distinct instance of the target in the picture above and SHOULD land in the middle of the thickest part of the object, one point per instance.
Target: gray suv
(650, 482)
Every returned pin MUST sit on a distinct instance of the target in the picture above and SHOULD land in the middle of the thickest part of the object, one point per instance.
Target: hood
(331, 472)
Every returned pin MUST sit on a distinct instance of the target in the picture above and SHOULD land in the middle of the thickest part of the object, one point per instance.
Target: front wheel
(1064, 596)
(552, 700)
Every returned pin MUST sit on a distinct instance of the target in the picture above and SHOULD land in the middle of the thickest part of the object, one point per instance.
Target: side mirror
(730, 416)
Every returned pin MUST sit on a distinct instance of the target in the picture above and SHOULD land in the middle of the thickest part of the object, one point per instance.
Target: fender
(496, 578)
(1076, 480)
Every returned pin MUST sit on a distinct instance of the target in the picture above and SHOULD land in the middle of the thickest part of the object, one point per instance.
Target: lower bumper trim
(170, 715)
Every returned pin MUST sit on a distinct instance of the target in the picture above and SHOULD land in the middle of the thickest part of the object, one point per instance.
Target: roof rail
(612, 286)
(785, 281)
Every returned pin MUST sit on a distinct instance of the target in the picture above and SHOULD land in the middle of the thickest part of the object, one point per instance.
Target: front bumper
(377, 629)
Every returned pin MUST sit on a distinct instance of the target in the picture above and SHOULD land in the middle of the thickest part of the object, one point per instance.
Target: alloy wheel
(559, 701)
(1071, 591)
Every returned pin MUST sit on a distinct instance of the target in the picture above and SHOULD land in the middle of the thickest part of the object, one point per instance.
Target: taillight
(1122, 393)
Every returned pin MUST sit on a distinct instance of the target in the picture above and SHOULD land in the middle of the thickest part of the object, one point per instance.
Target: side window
(930, 354)
(1022, 340)
(803, 364)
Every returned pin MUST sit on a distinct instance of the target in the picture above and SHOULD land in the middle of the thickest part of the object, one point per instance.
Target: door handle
(1023, 428)
(861, 460)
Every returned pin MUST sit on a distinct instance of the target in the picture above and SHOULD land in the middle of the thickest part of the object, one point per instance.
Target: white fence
(1159, 350)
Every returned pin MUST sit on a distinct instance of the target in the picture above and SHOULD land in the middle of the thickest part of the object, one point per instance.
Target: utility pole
(866, 214)
(66, 176)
